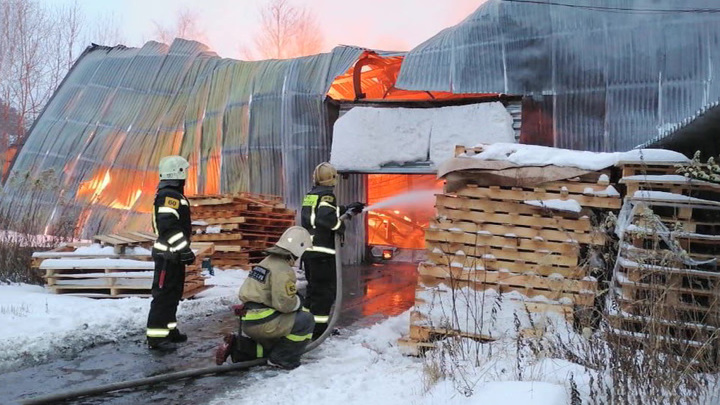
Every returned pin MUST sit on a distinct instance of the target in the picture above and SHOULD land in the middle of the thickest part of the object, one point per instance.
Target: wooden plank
(593, 238)
(218, 221)
(474, 239)
(517, 194)
(490, 253)
(515, 266)
(200, 201)
(486, 205)
(580, 225)
(213, 237)
(507, 278)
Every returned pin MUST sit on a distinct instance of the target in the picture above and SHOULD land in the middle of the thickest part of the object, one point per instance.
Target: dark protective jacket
(320, 215)
(171, 218)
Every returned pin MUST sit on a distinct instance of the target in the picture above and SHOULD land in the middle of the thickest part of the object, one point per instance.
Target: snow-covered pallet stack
(112, 269)
(241, 226)
(528, 240)
(667, 279)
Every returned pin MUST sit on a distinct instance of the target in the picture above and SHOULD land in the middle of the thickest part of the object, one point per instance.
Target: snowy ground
(369, 368)
(37, 325)
(363, 365)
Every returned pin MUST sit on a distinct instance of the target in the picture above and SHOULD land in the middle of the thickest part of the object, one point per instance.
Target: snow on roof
(532, 155)
(367, 138)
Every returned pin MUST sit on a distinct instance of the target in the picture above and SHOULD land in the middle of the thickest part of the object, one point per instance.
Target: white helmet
(173, 168)
(295, 240)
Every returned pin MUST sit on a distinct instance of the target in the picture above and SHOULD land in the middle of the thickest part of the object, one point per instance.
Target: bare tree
(37, 47)
(185, 26)
(287, 31)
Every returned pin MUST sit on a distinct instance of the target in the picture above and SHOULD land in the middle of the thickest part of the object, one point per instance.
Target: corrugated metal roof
(620, 74)
(244, 126)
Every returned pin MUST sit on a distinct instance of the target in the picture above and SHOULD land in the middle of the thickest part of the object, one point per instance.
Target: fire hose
(86, 392)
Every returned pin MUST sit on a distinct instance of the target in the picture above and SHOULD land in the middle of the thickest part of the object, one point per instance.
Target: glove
(186, 255)
(355, 208)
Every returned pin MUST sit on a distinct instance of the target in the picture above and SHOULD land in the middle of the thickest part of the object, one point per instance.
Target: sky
(394, 25)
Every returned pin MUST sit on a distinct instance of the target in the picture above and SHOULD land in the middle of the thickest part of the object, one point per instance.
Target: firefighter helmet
(173, 168)
(325, 175)
(295, 240)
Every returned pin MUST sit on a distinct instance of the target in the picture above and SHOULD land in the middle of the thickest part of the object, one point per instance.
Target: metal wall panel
(655, 68)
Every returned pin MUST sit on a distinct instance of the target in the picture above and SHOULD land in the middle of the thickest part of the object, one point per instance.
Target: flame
(94, 186)
(119, 205)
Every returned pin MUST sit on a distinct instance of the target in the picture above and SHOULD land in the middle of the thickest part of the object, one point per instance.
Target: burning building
(582, 77)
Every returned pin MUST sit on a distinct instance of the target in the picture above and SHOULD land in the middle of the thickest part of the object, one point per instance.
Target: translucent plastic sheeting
(244, 126)
(610, 74)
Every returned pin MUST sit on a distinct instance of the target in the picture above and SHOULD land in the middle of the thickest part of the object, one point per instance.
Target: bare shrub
(24, 225)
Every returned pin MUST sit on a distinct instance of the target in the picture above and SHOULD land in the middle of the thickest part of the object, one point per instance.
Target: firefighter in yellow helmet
(171, 252)
(275, 324)
(321, 216)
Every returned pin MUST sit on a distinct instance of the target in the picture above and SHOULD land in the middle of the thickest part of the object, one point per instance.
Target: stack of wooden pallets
(667, 277)
(532, 240)
(115, 266)
(241, 226)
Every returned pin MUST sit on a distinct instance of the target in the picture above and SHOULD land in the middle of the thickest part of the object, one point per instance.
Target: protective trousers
(321, 287)
(285, 350)
(167, 290)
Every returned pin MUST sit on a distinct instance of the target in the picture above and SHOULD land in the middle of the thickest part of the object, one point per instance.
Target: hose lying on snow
(84, 392)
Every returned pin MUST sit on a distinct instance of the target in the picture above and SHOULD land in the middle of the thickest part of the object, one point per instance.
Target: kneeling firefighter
(274, 323)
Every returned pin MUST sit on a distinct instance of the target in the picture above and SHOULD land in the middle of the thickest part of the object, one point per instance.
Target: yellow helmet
(325, 175)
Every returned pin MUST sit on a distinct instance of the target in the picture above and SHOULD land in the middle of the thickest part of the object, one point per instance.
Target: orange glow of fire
(94, 186)
(92, 190)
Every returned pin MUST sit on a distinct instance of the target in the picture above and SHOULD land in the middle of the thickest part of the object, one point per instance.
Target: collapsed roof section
(373, 78)
(609, 74)
(244, 126)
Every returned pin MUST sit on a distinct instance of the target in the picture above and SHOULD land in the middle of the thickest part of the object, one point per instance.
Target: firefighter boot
(225, 349)
(161, 344)
(176, 336)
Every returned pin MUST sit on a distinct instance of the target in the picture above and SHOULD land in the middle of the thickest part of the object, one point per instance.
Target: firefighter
(321, 216)
(171, 253)
(275, 318)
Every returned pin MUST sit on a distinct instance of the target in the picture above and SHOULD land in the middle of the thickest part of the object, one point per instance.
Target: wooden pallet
(508, 278)
(85, 275)
(552, 235)
(524, 193)
(670, 295)
(650, 168)
(510, 240)
(681, 313)
(500, 264)
(674, 329)
(507, 253)
(583, 298)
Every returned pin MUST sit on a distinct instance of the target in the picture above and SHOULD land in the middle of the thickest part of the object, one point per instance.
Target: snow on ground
(368, 138)
(368, 367)
(37, 324)
(532, 155)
